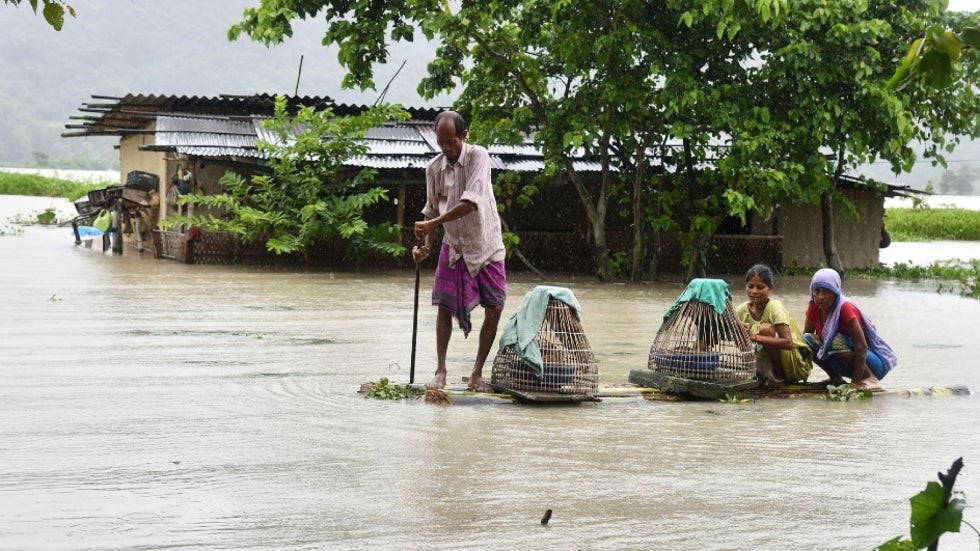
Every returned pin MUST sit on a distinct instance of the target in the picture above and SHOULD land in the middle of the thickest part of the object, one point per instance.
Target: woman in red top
(844, 341)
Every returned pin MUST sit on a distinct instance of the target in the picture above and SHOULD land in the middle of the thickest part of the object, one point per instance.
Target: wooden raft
(612, 394)
(683, 386)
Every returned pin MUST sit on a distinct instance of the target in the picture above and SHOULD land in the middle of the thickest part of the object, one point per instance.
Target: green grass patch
(952, 276)
(932, 224)
(34, 185)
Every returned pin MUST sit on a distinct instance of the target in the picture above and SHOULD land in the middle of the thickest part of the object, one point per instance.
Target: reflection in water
(150, 404)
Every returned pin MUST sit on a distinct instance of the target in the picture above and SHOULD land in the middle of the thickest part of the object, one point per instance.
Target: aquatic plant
(386, 390)
(11, 230)
(844, 393)
(735, 399)
(954, 276)
(935, 511)
(36, 185)
(928, 224)
(47, 217)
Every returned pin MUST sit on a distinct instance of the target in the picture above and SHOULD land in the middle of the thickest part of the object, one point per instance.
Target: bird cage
(702, 340)
(554, 358)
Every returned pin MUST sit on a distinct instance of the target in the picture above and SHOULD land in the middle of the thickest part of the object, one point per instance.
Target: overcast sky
(178, 47)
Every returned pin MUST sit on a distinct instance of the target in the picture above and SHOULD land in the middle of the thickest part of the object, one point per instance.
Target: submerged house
(170, 145)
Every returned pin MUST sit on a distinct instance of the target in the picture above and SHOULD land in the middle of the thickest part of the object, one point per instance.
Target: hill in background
(180, 47)
(146, 47)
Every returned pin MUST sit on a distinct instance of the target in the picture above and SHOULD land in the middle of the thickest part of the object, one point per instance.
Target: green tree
(768, 101)
(53, 10)
(308, 193)
(933, 57)
(524, 71)
(819, 106)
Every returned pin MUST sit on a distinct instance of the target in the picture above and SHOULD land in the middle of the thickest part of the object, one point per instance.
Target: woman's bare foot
(868, 383)
(765, 375)
(437, 382)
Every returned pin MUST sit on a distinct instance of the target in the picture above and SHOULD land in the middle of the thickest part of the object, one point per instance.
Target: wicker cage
(698, 342)
(568, 363)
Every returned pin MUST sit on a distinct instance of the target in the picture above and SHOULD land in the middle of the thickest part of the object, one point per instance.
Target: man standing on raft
(459, 197)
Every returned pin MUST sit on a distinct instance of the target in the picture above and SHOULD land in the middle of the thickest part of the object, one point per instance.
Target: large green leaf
(932, 516)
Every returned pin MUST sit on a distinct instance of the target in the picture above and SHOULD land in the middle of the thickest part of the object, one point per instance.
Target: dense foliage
(931, 58)
(695, 110)
(12, 183)
(308, 193)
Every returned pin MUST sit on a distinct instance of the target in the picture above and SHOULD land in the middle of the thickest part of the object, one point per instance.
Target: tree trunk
(596, 212)
(596, 215)
(654, 269)
(638, 226)
(829, 242)
(696, 258)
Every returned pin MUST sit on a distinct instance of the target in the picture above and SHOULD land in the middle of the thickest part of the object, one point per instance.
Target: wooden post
(74, 228)
(116, 229)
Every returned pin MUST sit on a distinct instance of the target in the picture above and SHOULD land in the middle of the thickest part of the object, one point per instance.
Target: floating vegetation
(953, 276)
(844, 393)
(10, 230)
(735, 399)
(46, 217)
(386, 390)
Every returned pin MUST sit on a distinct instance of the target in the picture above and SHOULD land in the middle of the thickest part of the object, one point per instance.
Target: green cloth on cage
(524, 324)
(713, 292)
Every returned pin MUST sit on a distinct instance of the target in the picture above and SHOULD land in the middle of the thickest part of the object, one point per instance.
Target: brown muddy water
(146, 404)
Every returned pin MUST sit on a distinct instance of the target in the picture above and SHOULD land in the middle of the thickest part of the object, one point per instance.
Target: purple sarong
(457, 291)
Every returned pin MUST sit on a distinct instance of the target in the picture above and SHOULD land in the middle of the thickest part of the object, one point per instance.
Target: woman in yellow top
(781, 353)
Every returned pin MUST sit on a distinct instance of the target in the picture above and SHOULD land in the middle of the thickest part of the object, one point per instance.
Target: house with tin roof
(169, 145)
(181, 144)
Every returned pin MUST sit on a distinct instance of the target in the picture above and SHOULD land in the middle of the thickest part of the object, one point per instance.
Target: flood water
(146, 404)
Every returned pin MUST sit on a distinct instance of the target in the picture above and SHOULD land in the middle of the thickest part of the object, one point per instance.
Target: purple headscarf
(829, 279)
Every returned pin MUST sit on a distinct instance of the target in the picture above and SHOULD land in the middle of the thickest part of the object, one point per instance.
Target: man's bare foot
(437, 382)
(477, 384)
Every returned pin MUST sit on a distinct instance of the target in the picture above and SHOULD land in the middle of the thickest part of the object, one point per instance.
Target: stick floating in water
(546, 517)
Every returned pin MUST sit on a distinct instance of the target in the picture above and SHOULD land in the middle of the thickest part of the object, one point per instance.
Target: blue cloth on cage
(524, 324)
(713, 292)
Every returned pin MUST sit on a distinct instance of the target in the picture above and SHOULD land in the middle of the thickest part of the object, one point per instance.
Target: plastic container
(552, 374)
(687, 360)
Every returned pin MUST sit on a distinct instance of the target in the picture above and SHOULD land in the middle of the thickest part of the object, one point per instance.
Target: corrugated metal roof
(133, 113)
(182, 132)
(228, 126)
(389, 161)
(218, 152)
(392, 146)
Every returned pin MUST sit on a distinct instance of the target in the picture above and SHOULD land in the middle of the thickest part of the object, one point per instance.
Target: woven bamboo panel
(569, 366)
(169, 244)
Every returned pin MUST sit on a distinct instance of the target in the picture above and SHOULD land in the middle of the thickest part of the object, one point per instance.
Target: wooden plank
(545, 397)
(819, 390)
(688, 387)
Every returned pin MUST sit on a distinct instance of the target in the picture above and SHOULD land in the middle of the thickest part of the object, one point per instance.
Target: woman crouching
(844, 341)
